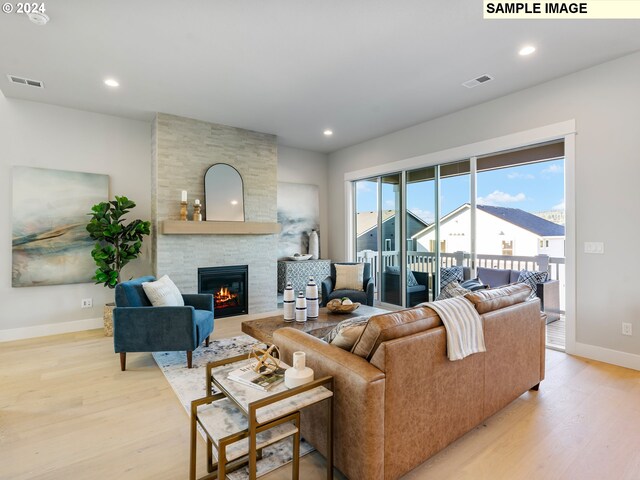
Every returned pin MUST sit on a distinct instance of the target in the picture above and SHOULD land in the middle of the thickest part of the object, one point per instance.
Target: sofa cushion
(349, 277)
(163, 293)
(474, 284)
(453, 289)
(451, 274)
(532, 279)
(131, 293)
(411, 278)
(494, 277)
(492, 299)
(347, 332)
(388, 326)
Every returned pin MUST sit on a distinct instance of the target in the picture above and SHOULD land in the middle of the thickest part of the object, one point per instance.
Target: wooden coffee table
(263, 328)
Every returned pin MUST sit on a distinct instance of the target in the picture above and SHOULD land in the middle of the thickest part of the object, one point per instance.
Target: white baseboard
(22, 333)
(622, 359)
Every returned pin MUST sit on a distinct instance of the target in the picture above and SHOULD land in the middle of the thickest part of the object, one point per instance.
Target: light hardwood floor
(67, 412)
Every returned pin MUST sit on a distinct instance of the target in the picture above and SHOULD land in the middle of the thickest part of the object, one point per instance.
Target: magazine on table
(261, 380)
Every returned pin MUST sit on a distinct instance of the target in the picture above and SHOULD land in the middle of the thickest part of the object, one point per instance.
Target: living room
(284, 73)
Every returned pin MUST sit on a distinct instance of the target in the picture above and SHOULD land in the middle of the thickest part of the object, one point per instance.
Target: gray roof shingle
(526, 220)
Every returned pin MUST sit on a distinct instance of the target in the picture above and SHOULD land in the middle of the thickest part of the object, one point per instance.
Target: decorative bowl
(335, 306)
(300, 257)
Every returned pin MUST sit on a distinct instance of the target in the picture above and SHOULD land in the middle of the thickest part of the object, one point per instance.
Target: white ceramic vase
(299, 374)
(312, 299)
(301, 308)
(289, 303)
(314, 248)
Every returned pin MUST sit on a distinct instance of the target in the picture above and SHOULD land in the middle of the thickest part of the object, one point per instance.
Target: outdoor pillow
(532, 279)
(411, 278)
(451, 274)
(163, 293)
(473, 284)
(349, 277)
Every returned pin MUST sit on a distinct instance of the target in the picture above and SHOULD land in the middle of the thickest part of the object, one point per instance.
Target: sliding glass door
(496, 211)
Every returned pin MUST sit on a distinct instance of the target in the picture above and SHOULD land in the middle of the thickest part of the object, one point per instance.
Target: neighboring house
(367, 231)
(500, 231)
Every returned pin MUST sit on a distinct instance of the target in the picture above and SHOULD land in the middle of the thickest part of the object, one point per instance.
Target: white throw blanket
(463, 326)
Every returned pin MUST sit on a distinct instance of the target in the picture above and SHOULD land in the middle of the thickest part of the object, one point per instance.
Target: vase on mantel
(314, 249)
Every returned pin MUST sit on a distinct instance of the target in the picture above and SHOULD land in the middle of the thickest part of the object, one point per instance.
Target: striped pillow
(349, 277)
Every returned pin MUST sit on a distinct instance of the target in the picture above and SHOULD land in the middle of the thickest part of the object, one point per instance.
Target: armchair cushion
(349, 277)
(163, 292)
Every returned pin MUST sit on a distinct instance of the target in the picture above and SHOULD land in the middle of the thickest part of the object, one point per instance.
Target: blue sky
(535, 187)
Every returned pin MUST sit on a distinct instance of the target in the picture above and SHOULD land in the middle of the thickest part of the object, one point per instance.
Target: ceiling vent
(25, 81)
(478, 81)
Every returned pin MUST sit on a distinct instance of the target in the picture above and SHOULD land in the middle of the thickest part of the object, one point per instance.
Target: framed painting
(50, 244)
(298, 214)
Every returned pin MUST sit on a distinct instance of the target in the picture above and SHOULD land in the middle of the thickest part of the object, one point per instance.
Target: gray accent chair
(140, 327)
(365, 296)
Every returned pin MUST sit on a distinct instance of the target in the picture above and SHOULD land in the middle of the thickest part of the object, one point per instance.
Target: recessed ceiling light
(234, 202)
(110, 82)
(528, 50)
(328, 133)
(38, 18)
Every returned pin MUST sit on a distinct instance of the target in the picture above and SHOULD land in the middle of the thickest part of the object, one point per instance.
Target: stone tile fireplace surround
(183, 149)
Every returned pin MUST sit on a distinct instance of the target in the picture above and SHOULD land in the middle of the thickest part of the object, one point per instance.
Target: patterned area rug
(189, 384)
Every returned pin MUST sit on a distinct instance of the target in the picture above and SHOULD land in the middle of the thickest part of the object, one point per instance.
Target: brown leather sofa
(399, 400)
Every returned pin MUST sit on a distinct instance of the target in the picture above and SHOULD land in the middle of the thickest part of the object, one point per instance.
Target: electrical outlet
(86, 303)
(626, 329)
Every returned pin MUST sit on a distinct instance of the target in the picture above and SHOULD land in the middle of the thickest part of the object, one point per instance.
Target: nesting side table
(239, 421)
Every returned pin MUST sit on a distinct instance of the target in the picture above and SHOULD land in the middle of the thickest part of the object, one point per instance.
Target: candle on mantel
(184, 195)
(196, 201)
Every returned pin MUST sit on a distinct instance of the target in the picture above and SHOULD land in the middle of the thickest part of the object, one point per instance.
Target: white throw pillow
(349, 277)
(163, 293)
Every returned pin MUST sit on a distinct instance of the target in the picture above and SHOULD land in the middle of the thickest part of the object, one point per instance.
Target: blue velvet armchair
(140, 327)
(364, 296)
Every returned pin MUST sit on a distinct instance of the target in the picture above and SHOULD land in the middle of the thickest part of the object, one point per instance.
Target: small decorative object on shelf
(314, 249)
(197, 216)
(313, 305)
(265, 362)
(298, 257)
(299, 374)
(289, 300)
(301, 308)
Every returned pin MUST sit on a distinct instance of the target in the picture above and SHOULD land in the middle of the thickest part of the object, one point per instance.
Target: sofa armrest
(359, 392)
(154, 329)
(199, 301)
(327, 288)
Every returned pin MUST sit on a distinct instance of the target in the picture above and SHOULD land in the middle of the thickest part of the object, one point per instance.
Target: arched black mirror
(224, 194)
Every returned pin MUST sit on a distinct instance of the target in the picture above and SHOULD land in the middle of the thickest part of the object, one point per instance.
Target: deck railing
(426, 262)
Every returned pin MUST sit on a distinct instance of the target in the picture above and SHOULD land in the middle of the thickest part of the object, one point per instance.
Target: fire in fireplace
(229, 287)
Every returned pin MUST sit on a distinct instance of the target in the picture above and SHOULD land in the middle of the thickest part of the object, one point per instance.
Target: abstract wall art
(50, 243)
(298, 214)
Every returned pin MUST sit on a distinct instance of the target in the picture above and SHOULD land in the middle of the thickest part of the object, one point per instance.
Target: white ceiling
(292, 67)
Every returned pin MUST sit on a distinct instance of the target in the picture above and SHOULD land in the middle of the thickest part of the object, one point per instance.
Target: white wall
(303, 166)
(38, 135)
(604, 101)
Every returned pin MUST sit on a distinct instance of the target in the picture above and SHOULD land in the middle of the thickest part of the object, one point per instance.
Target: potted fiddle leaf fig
(117, 243)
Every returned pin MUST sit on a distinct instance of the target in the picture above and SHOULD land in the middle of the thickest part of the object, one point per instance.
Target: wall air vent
(478, 81)
(25, 81)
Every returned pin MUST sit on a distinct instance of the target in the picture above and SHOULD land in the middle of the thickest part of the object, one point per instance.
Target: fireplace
(229, 286)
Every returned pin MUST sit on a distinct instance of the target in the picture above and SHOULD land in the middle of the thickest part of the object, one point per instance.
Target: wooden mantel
(177, 227)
